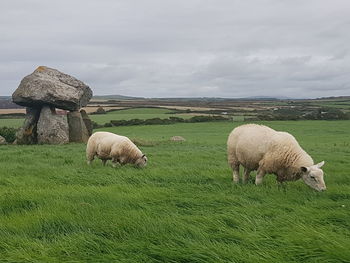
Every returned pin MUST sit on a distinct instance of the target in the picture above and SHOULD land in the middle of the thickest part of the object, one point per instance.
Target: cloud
(163, 48)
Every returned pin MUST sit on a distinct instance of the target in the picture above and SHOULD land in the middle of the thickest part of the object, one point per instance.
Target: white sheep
(110, 146)
(258, 147)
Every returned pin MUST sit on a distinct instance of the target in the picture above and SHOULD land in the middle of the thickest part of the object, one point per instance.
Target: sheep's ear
(304, 169)
(319, 165)
(143, 155)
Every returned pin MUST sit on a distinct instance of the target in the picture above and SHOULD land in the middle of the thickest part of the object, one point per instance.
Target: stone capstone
(77, 129)
(52, 87)
(52, 128)
(42, 92)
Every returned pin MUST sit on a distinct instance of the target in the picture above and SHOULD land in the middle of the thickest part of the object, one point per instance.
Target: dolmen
(53, 102)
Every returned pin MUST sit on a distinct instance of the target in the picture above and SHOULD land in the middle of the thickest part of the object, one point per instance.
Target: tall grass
(183, 207)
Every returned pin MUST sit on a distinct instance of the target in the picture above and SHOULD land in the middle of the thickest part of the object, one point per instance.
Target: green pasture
(136, 113)
(342, 105)
(182, 207)
(125, 114)
(13, 123)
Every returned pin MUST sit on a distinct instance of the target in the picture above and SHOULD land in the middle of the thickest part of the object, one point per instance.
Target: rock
(77, 130)
(27, 134)
(87, 121)
(52, 87)
(52, 128)
(2, 140)
(177, 139)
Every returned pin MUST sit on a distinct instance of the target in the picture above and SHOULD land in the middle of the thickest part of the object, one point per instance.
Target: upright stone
(51, 87)
(77, 129)
(87, 121)
(52, 128)
(27, 134)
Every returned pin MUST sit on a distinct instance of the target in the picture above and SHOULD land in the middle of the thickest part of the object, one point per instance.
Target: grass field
(182, 207)
(137, 113)
(128, 114)
(14, 123)
(343, 105)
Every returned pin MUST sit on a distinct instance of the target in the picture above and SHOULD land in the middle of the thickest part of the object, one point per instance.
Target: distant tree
(95, 125)
(108, 124)
(8, 133)
(100, 110)
(326, 114)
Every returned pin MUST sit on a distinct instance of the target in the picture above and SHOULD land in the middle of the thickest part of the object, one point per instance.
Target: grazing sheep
(257, 147)
(110, 146)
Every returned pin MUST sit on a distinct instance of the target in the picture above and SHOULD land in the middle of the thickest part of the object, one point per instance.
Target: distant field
(92, 109)
(182, 207)
(127, 114)
(15, 123)
(9, 111)
(137, 113)
(344, 105)
(239, 109)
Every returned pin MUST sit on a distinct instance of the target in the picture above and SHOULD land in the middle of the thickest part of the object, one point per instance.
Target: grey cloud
(164, 48)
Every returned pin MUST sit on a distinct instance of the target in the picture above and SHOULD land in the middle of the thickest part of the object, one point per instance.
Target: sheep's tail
(231, 157)
(231, 151)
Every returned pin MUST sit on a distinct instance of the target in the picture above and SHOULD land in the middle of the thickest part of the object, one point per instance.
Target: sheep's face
(313, 176)
(142, 161)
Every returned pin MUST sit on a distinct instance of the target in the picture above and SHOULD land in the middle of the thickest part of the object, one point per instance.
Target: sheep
(110, 146)
(258, 147)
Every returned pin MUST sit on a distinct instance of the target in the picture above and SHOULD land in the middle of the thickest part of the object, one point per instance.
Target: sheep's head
(142, 161)
(313, 176)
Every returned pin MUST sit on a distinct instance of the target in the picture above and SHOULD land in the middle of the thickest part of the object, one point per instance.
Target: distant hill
(264, 98)
(268, 98)
(121, 97)
(334, 98)
(116, 97)
(6, 103)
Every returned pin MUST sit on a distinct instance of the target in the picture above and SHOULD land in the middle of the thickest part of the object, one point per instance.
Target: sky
(181, 48)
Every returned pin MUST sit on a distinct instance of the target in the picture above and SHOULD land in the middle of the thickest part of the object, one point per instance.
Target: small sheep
(257, 147)
(110, 146)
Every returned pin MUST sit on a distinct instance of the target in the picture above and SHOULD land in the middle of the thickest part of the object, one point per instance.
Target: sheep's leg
(246, 175)
(281, 183)
(90, 158)
(122, 161)
(104, 161)
(115, 162)
(259, 177)
(235, 174)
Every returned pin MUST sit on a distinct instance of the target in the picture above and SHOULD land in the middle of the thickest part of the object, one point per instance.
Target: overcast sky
(181, 48)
